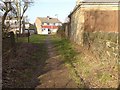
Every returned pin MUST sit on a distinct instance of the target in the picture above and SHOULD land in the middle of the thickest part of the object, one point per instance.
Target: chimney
(48, 17)
(79, 1)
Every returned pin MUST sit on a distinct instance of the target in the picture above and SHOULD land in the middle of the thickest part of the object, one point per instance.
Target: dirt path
(36, 65)
(56, 74)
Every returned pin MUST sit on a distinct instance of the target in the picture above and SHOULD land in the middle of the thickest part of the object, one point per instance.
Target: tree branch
(5, 15)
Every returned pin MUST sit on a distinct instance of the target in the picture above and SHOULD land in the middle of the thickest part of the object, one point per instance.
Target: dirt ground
(28, 70)
(56, 74)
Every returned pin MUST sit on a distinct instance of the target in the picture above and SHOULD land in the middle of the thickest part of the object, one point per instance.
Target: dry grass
(83, 64)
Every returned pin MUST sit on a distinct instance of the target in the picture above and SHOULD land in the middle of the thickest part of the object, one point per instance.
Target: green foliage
(84, 65)
(66, 50)
(22, 39)
(32, 26)
(33, 38)
(69, 56)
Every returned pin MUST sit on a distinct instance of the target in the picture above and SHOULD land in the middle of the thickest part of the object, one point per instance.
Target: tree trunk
(3, 20)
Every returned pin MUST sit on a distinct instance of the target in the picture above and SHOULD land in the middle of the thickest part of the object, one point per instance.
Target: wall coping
(107, 4)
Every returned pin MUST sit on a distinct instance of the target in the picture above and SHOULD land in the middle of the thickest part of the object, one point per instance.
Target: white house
(47, 25)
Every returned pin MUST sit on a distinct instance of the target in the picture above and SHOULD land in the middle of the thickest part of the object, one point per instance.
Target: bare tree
(6, 8)
(21, 7)
(18, 7)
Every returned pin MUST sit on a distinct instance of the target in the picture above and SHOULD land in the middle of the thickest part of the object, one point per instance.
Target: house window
(42, 23)
(15, 22)
(53, 23)
(43, 29)
(47, 23)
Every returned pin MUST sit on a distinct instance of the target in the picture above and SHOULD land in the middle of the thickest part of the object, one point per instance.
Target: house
(47, 25)
(12, 24)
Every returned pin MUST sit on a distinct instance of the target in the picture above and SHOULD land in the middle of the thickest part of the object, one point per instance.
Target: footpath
(56, 73)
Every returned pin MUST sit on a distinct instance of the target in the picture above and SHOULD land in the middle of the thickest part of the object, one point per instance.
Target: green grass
(37, 38)
(33, 38)
(37, 41)
(66, 50)
(38, 56)
(69, 57)
(84, 64)
(22, 39)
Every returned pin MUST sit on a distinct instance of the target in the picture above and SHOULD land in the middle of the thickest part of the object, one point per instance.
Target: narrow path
(56, 74)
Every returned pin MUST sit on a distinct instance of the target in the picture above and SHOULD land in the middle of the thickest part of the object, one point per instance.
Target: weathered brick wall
(77, 27)
(101, 30)
(92, 20)
(63, 31)
(101, 20)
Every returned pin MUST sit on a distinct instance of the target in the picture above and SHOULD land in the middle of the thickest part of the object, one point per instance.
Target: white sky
(43, 8)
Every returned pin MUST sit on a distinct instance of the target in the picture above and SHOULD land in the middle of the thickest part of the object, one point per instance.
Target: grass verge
(69, 56)
(84, 69)
(29, 57)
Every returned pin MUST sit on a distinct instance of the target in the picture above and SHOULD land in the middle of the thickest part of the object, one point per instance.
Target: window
(42, 29)
(47, 23)
(53, 23)
(42, 23)
(15, 22)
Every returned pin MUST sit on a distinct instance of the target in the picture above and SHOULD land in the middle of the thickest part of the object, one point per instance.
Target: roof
(50, 20)
(109, 1)
(94, 2)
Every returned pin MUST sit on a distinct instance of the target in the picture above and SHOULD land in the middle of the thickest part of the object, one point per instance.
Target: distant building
(12, 24)
(47, 25)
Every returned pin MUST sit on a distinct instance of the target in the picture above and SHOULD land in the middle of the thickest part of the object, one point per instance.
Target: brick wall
(101, 20)
(77, 26)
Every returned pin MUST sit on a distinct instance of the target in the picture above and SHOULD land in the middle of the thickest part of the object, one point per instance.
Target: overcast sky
(43, 8)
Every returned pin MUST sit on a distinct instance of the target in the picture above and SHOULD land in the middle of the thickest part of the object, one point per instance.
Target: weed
(69, 56)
